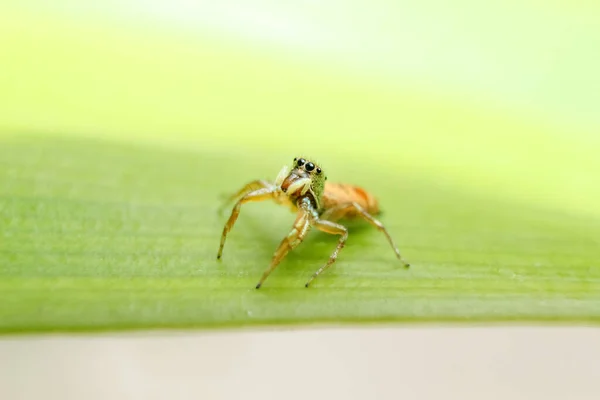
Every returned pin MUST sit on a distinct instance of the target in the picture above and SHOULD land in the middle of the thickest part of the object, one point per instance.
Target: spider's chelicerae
(317, 204)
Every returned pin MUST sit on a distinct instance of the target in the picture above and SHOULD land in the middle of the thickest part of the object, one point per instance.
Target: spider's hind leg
(356, 209)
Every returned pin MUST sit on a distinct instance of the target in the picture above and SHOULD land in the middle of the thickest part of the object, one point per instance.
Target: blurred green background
(122, 124)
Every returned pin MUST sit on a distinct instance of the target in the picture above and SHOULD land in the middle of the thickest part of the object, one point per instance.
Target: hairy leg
(257, 195)
(335, 229)
(341, 210)
(249, 187)
(290, 242)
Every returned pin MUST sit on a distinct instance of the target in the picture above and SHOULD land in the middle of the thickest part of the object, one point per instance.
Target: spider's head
(305, 176)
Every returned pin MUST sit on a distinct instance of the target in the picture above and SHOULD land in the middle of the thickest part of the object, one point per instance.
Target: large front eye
(309, 167)
(301, 162)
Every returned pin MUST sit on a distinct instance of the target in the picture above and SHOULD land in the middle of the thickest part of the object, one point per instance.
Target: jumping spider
(316, 203)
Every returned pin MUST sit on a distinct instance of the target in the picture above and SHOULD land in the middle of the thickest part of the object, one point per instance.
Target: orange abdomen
(340, 193)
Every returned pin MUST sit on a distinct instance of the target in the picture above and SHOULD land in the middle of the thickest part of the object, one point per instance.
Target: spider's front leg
(258, 190)
(249, 187)
(257, 195)
(253, 186)
(290, 242)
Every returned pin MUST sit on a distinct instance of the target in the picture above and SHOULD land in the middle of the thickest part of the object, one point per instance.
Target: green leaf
(98, 235)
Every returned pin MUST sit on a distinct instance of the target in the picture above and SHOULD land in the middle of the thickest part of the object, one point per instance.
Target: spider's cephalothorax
(304, 179)
(319, 205)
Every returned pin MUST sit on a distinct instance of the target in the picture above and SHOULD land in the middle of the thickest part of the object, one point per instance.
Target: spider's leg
(290, 242)
(335, 213)
(249, 187)
(334, 229)
(257, 195)
(355, 208)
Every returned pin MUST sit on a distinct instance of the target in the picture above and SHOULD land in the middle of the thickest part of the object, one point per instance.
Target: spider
(316, 204)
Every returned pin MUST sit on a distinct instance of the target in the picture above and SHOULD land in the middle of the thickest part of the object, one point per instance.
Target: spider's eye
(318, 170)
(309, 166)
(301, 162)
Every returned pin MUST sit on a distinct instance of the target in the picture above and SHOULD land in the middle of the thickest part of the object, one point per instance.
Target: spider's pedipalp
(281, 175)
(303, 183)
